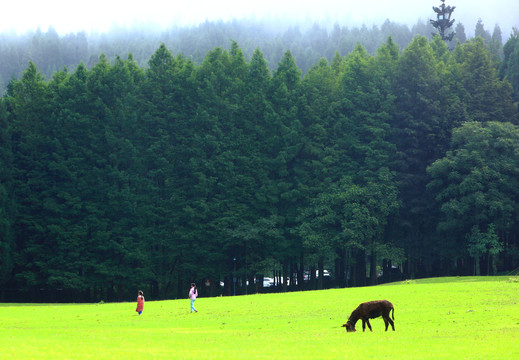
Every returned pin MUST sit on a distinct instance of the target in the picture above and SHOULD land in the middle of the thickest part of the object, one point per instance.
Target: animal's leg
(369, 325)
(392, 323)
(363, 325)
(386, 322)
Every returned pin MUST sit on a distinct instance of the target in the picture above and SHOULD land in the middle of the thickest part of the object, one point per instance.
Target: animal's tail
(393, 313)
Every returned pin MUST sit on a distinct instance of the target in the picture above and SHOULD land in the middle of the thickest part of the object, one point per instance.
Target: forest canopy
(117, 175)
(308, 42)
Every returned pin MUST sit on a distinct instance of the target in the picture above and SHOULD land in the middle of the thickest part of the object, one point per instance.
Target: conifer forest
(223, 154)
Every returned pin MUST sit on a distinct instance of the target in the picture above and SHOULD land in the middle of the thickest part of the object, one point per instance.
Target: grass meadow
(443, 318)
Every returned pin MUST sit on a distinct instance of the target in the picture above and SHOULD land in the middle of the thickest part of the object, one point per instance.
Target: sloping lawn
(444, 318)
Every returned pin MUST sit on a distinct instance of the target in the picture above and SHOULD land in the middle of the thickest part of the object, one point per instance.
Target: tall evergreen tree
(226, 164)
(485, 96)
(74, 262)
(283, 163)
(366, 105)
(496, 44)
(510, 65)
(420, 130)
(317, 111)
(7, 245)
(262, 229)
(30, 107)
(249, 212)
(166, 143)
(481, 32)
(459, 35)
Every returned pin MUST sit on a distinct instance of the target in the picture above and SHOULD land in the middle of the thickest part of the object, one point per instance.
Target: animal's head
(349, 326)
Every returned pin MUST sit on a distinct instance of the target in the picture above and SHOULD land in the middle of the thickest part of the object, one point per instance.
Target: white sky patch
(102, 15)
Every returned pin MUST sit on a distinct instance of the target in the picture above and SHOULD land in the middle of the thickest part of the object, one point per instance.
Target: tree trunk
(291, 274)
(285, 275)
(251, 283)
(259, 282)
(301, 272)
(476, 266)
(373, 268)
(411, 267)
(313, 284)
(338, 272)
(340, 268)
(320, 265)
(361, 268)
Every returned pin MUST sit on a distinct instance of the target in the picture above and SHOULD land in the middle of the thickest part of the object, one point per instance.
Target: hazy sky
(100, 15)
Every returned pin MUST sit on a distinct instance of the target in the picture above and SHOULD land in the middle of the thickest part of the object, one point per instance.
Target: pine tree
(420, 130)
(496, 44)
(29, 105)
(481, 32)
(282, 156)
(164, 141)
(510, 65)
(7, 245)
(317, 111)
(486, 97)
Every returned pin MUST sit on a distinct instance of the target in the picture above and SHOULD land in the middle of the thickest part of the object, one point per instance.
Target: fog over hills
(156, 15)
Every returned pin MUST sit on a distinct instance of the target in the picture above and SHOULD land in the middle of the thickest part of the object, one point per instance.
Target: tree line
(308, 42)
(121, 176)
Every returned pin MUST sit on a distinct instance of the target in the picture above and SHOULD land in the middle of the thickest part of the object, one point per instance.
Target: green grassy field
(445, 318)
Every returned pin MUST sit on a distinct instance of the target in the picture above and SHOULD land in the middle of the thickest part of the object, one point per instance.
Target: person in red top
(140, 302)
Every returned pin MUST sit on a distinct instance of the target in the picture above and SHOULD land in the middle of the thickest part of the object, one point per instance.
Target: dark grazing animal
(371, 310)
